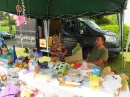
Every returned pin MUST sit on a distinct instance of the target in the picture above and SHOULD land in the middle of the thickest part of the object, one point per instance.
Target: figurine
(60, 78)
(60, 67)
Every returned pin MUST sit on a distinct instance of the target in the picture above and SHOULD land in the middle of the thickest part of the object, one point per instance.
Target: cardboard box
(77, 56)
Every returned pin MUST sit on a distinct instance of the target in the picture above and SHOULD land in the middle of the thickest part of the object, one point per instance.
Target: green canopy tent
(61, 9)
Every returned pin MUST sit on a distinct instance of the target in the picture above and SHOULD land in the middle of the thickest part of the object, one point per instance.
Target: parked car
(2, 43)
(6, 35)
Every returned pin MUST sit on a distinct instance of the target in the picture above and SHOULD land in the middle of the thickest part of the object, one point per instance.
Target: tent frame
(119, 15)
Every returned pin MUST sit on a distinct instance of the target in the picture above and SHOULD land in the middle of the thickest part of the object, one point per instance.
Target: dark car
(6, 35)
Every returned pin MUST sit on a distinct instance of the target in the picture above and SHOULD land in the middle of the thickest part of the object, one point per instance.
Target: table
(53, 87)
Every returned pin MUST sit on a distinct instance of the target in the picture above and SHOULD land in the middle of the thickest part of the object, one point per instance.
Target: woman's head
(55, 38)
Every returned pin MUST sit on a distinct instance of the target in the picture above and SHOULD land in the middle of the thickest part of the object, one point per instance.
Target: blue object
(4, 56)
(96, 72)
(3, 44)
(12, 53)
(15, 56)
(44, 65)
(40, 54)
(1, 85)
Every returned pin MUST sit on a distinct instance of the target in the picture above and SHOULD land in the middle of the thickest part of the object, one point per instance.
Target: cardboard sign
(43, 42)
(77, 56)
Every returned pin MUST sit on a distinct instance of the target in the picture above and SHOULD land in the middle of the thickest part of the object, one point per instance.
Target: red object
(77, 65)
(17, 65)
(26, 61)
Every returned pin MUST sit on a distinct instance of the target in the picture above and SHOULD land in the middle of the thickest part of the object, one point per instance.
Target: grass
(6, 29)
(8, 40)
(21, 52)
(115, 64)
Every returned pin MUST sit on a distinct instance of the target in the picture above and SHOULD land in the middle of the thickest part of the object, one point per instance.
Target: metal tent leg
(121, 26)
(46, 33)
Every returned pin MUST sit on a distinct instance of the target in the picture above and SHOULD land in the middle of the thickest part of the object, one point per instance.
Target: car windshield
(91, 23)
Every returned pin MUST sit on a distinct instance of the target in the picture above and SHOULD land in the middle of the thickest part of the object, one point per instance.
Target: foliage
(107, 19)
(6, 29)
(3, 15)
(6, 22)
(115, 29)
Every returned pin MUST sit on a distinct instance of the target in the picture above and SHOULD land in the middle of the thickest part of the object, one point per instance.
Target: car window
(70, 26)
(84, 28)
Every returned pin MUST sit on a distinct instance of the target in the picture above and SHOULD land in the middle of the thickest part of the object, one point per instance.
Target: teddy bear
(106, 70)
(124, 82)
(112, 83)
(3, 79)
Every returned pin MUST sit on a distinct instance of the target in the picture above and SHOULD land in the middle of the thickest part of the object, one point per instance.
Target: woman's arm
(64, 50)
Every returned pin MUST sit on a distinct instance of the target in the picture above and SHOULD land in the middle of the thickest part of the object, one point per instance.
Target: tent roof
(50, 9)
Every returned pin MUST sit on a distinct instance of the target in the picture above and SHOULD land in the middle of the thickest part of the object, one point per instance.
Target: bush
(6, 29)
(115, 29)
(6, 22)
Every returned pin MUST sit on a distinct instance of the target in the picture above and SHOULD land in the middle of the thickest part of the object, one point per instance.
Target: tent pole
(122, 37)
(48, 31)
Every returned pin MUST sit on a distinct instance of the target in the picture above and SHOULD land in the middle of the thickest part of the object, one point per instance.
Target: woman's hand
(51, 53)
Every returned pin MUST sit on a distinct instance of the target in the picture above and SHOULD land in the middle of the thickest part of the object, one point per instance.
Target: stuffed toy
(124, 82)
(37, 70)
(60, 67)
(60, 78)
(106, 70)
(112, 83)
(3, 79)
(76, 65)
(28, 89)
(95, 82)
(80, 64)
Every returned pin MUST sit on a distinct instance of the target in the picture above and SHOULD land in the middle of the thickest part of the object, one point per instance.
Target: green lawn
(6, 29)
(20, 52)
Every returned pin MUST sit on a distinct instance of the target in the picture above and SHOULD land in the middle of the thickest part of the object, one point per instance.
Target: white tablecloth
(3, 70)
(53, 87)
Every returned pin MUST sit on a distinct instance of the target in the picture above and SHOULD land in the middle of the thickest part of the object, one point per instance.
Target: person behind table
(58, 50)
(99, 54)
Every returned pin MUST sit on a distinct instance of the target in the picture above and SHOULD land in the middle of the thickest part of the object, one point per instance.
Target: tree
(105, 19)
(5, 22)
(3, 15)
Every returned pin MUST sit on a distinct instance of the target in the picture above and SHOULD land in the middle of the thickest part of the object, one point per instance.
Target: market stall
(64, 79)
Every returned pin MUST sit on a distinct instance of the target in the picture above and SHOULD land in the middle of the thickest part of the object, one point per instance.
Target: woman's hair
(55, 35)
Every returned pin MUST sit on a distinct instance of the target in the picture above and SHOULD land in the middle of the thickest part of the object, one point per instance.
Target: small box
(92, 71)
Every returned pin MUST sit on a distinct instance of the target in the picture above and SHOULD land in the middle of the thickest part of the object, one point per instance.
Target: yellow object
(25, 65)
(43, 42)
(72, 65)
(20, 66)
(27, 94)
(94, 82)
